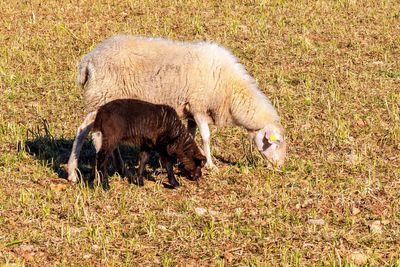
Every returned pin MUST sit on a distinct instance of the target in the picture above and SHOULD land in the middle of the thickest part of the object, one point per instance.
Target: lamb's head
(193, 161)
(271, 143)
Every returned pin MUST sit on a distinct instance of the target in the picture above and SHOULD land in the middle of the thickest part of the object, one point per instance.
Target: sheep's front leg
(144, 157)
(205, 136)
(81, 133)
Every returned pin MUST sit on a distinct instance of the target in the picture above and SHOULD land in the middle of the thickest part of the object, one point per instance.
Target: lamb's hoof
(171, 186)
(73, 177)
(126, 173)
(140, 182)
(106, 187)
(91, 185)
(137, 181)
(175, 185)
(195, 179)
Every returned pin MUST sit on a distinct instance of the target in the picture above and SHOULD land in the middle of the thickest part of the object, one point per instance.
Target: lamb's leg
(102, 161)
(81, 133)
(93, 174)
(103, 152)
(205, 136)
(119, 163)
(144, 157)
(168, 165)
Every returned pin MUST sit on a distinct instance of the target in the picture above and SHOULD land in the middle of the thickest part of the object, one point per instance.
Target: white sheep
(207, 76)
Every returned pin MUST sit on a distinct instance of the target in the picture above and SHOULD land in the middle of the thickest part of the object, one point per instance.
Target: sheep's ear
(273, 136)
(182, 110)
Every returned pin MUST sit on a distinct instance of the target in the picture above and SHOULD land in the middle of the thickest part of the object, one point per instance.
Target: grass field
(332, 69)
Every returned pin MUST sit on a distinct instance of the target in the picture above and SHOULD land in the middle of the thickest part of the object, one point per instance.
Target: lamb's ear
(201, 158)
(202, 162)
(171, 149)
(182, 110)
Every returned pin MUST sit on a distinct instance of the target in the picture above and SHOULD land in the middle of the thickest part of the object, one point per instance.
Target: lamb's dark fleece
(149, 127)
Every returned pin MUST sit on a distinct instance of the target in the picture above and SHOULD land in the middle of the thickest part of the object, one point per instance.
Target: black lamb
(150, 127)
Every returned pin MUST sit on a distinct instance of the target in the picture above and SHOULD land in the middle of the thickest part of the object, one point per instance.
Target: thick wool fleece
(204, 74)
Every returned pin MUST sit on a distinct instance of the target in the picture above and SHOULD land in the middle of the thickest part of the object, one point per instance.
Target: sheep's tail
(83, 72)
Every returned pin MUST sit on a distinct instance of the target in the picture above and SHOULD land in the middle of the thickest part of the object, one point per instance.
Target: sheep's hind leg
(81, 133)
(205, 136)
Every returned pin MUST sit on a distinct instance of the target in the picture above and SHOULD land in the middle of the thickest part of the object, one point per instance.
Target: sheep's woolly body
(161, 71)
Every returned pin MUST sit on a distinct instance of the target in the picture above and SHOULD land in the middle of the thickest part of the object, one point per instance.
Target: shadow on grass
(54, 152)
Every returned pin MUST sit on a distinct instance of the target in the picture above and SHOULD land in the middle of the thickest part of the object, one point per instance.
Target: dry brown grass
(330, 67)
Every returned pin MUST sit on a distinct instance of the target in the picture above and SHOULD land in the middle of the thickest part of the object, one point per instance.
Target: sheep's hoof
(212, 167)
(73, 177)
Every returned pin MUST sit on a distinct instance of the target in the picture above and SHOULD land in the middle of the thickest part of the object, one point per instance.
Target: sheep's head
(271, 143)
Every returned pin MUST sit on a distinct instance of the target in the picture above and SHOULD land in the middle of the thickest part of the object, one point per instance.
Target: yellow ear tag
(273, 138)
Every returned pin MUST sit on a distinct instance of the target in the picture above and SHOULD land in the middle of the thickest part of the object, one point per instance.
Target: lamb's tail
(97, 138)
(85, 70)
